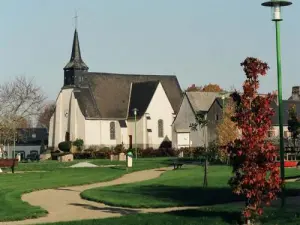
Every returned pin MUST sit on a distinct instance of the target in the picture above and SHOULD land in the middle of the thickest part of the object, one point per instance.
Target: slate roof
(111, 93)
(201, 101)
(86, 103)
(32, 136)
(76, 61)
(144, 89)
(286, 104)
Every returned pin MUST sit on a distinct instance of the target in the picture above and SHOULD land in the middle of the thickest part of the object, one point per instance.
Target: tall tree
(20, 100)
(256, 175)
(45, 115)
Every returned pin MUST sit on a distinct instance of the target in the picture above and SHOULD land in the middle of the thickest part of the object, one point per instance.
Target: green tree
(293, 124)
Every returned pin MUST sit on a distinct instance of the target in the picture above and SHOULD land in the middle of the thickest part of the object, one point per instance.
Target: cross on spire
(76, 20)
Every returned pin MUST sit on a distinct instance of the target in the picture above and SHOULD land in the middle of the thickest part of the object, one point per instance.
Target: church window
(112, 127)
(160, 128)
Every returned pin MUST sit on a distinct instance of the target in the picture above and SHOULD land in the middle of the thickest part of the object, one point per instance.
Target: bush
(119, 149)
(65, 146)
(78, 143)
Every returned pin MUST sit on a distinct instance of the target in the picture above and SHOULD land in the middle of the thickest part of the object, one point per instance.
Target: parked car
(32, 157)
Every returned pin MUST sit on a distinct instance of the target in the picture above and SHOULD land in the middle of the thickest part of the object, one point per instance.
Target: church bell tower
(75, 67)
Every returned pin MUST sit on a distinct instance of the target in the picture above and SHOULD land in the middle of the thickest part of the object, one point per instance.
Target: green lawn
(175, 188)
(216, 215)
(57, 175)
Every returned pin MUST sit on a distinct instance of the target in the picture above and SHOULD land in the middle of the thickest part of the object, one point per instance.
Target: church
(107, 109)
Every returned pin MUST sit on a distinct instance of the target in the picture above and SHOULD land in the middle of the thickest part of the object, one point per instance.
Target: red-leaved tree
(256, 175)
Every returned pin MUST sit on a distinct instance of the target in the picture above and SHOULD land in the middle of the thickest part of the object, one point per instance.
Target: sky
(199, 41)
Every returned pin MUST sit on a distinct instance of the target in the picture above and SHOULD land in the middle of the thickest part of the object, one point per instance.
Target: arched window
(160, 128)
(112, 129)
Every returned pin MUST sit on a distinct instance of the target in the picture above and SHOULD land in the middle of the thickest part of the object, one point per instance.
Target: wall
(59, 121)
(21, 148)
(214, 116)
(276, 130)
(92, 130)
(66, 118)
(105, 133)
(77, 122)
(182, 122)
(159, 108)
(140, 130)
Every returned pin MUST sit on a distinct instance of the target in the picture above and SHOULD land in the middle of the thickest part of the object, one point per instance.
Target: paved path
(65, 204)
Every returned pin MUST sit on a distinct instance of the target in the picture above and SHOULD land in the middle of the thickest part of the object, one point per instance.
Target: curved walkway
(65, 204)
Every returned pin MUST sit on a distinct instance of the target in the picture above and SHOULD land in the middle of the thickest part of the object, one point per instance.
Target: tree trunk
(205, 183)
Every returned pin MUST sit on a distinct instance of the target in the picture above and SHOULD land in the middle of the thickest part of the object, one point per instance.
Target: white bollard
(129, 159)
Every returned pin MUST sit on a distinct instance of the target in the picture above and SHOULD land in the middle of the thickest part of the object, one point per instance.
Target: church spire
(76, 62)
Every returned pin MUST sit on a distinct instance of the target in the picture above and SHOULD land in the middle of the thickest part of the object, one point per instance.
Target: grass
(176, 188)
(57, 175)
(216, 215)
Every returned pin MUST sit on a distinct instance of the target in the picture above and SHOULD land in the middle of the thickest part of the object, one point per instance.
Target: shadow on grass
(113, 210)
(165, 196)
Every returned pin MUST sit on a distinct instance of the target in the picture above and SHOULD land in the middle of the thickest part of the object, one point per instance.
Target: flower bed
(288, 163)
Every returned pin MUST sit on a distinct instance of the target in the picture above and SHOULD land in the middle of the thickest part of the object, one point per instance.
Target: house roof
(86, 103)
(76, 61)
(111, 93)
(31, 135)
(201, 101)
(145, 89)
(286, 105)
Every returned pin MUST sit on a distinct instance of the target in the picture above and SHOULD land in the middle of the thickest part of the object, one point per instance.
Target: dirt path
(65, 204)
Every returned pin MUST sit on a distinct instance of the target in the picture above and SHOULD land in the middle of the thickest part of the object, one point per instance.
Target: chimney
(295, 93)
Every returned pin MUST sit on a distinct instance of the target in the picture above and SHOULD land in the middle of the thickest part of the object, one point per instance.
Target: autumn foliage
(226, 129)
(252, 156)
(205, 88)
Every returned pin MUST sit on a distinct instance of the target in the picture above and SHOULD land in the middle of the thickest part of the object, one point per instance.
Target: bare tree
(45, 115)
(20, 100)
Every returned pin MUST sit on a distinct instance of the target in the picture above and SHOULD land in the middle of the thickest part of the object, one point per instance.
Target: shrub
(119, 149)
(65, 146)
(78, 143)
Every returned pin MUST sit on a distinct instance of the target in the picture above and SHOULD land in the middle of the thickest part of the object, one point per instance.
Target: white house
(99, 107)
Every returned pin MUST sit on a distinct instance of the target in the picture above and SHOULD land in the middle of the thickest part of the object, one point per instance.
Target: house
(215, 115)
(293, 100)
(28, 140)
(192, 103)
(99, 107)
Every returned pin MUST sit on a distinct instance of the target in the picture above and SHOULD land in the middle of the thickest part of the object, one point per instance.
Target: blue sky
(199, 41)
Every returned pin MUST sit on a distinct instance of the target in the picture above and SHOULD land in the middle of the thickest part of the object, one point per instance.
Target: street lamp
(135, 113)
(276, 8)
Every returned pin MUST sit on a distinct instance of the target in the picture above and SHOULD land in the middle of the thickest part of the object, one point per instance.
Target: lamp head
(276, 7)
(135, 111)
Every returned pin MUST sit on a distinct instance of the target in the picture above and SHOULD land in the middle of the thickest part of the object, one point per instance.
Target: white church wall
(139, 132)
(159, 108)
(92, 130)
(51, 131)
(124, 136)
(105, 133)
(77, 121)
(60, 119)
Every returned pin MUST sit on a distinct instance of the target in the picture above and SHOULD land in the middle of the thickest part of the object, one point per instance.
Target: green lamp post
(135, 114)
(276, 6)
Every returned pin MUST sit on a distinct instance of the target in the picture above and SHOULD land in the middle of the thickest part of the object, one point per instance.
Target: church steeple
(76, 61)
(76, 65)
